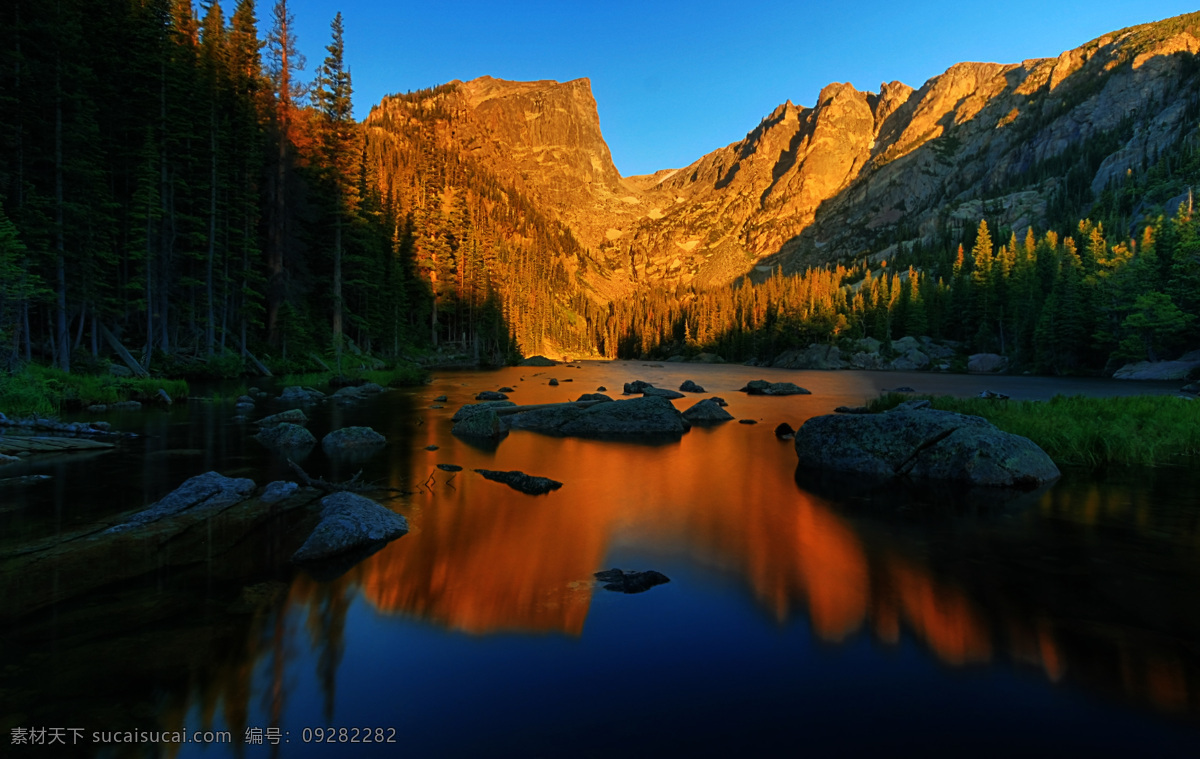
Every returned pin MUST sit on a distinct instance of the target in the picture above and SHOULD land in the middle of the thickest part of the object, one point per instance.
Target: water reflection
(1093, 586)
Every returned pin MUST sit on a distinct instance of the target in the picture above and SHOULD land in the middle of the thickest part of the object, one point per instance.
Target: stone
(245, 399)
(784, 431)
(117, 370)
(852, 410)
(903, 389)
(525, 483)
(97, 408)
(706, 411)
(637, 387)
(352, 438)
(762, 387)
(449, 467)
(677, 359)
(285, 435)
(278, 491)
(706, 358)
(504, 390)
(986, 363)
(349, 522)
(661, 392)
(471, 408)
(6, 459)
(915, 441)
(296, 394)
(602, 389)
(431, 447)
(814, 356)
(208, 494)
(292, 416)
(747, 421)
(719, 401)
(593, 397)
(691, 387)
(484, 424)
(129, 405)
(646, 416)
(538, 361)
(628, 581)
(440, 399)
(491, 395)
(1191, 387)
(553, 382)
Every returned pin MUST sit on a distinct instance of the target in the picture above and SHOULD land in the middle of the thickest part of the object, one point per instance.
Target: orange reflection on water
(944, 617)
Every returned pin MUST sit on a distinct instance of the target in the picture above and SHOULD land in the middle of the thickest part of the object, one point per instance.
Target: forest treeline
(171, 179)
(176, 181)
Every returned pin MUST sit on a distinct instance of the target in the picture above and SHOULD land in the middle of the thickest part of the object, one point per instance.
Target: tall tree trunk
(209, 332)
(63, 342)
(337, 288)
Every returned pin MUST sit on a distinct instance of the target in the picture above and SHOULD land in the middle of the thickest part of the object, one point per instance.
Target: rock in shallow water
(923, 443)
(349, 522)
(526, 483)
(286, 435)
(707, 410)
(623, 581)
(352, 438)
(762, 387)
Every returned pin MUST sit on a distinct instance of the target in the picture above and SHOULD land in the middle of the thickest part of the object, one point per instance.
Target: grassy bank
(1136, 430)
(404, 375)
(45, 390)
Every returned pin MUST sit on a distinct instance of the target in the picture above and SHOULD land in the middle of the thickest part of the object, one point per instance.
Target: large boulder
(286, 435)
(707, 411)
(1179, 369)
(635, 417)
(538, 361)
(916, 441)
(350, 439)
(986, 363)
(349, 523)
(762, 387)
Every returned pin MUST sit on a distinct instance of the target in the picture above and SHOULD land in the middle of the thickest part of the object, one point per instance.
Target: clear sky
(675, 80)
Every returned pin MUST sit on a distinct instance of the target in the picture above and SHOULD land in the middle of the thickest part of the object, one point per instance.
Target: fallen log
(254, 360)
(14, 444)
(137, 369)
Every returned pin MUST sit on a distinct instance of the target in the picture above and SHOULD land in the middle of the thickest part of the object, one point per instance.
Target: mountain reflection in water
(1092, 584)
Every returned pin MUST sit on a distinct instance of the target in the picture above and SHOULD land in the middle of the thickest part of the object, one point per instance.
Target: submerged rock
(349, 522)
(923, 443)
(525, 483)
(762, 387)
(623, 581)
(706, 411)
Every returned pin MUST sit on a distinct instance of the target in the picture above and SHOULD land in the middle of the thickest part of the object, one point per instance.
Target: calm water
(802, 617)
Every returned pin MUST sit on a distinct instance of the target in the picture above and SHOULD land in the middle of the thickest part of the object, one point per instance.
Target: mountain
(858, 176)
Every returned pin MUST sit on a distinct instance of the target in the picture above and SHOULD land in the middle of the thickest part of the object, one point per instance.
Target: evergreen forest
(179, 185)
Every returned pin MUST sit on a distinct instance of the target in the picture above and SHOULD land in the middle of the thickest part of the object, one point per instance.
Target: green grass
(1139, 430)
(403, 375)
(45, 390)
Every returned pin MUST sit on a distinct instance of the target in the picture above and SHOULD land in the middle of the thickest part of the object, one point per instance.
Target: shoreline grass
(46, 390)
(404, 375)
(1139, 430)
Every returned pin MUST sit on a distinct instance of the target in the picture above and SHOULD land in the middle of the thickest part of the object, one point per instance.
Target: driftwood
(353, 485)
(320, 363)
(126, 356)
(14, 444)
(254, 360)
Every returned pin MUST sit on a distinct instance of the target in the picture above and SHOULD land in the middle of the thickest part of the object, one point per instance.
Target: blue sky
(675, 80)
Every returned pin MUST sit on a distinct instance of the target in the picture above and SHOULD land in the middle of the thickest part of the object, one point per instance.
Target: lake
(802, 616)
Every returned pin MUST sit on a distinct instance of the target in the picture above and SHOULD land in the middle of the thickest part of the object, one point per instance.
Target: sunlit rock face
(857, 171)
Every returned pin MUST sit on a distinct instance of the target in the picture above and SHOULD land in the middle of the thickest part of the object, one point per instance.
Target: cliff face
(858, 172)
